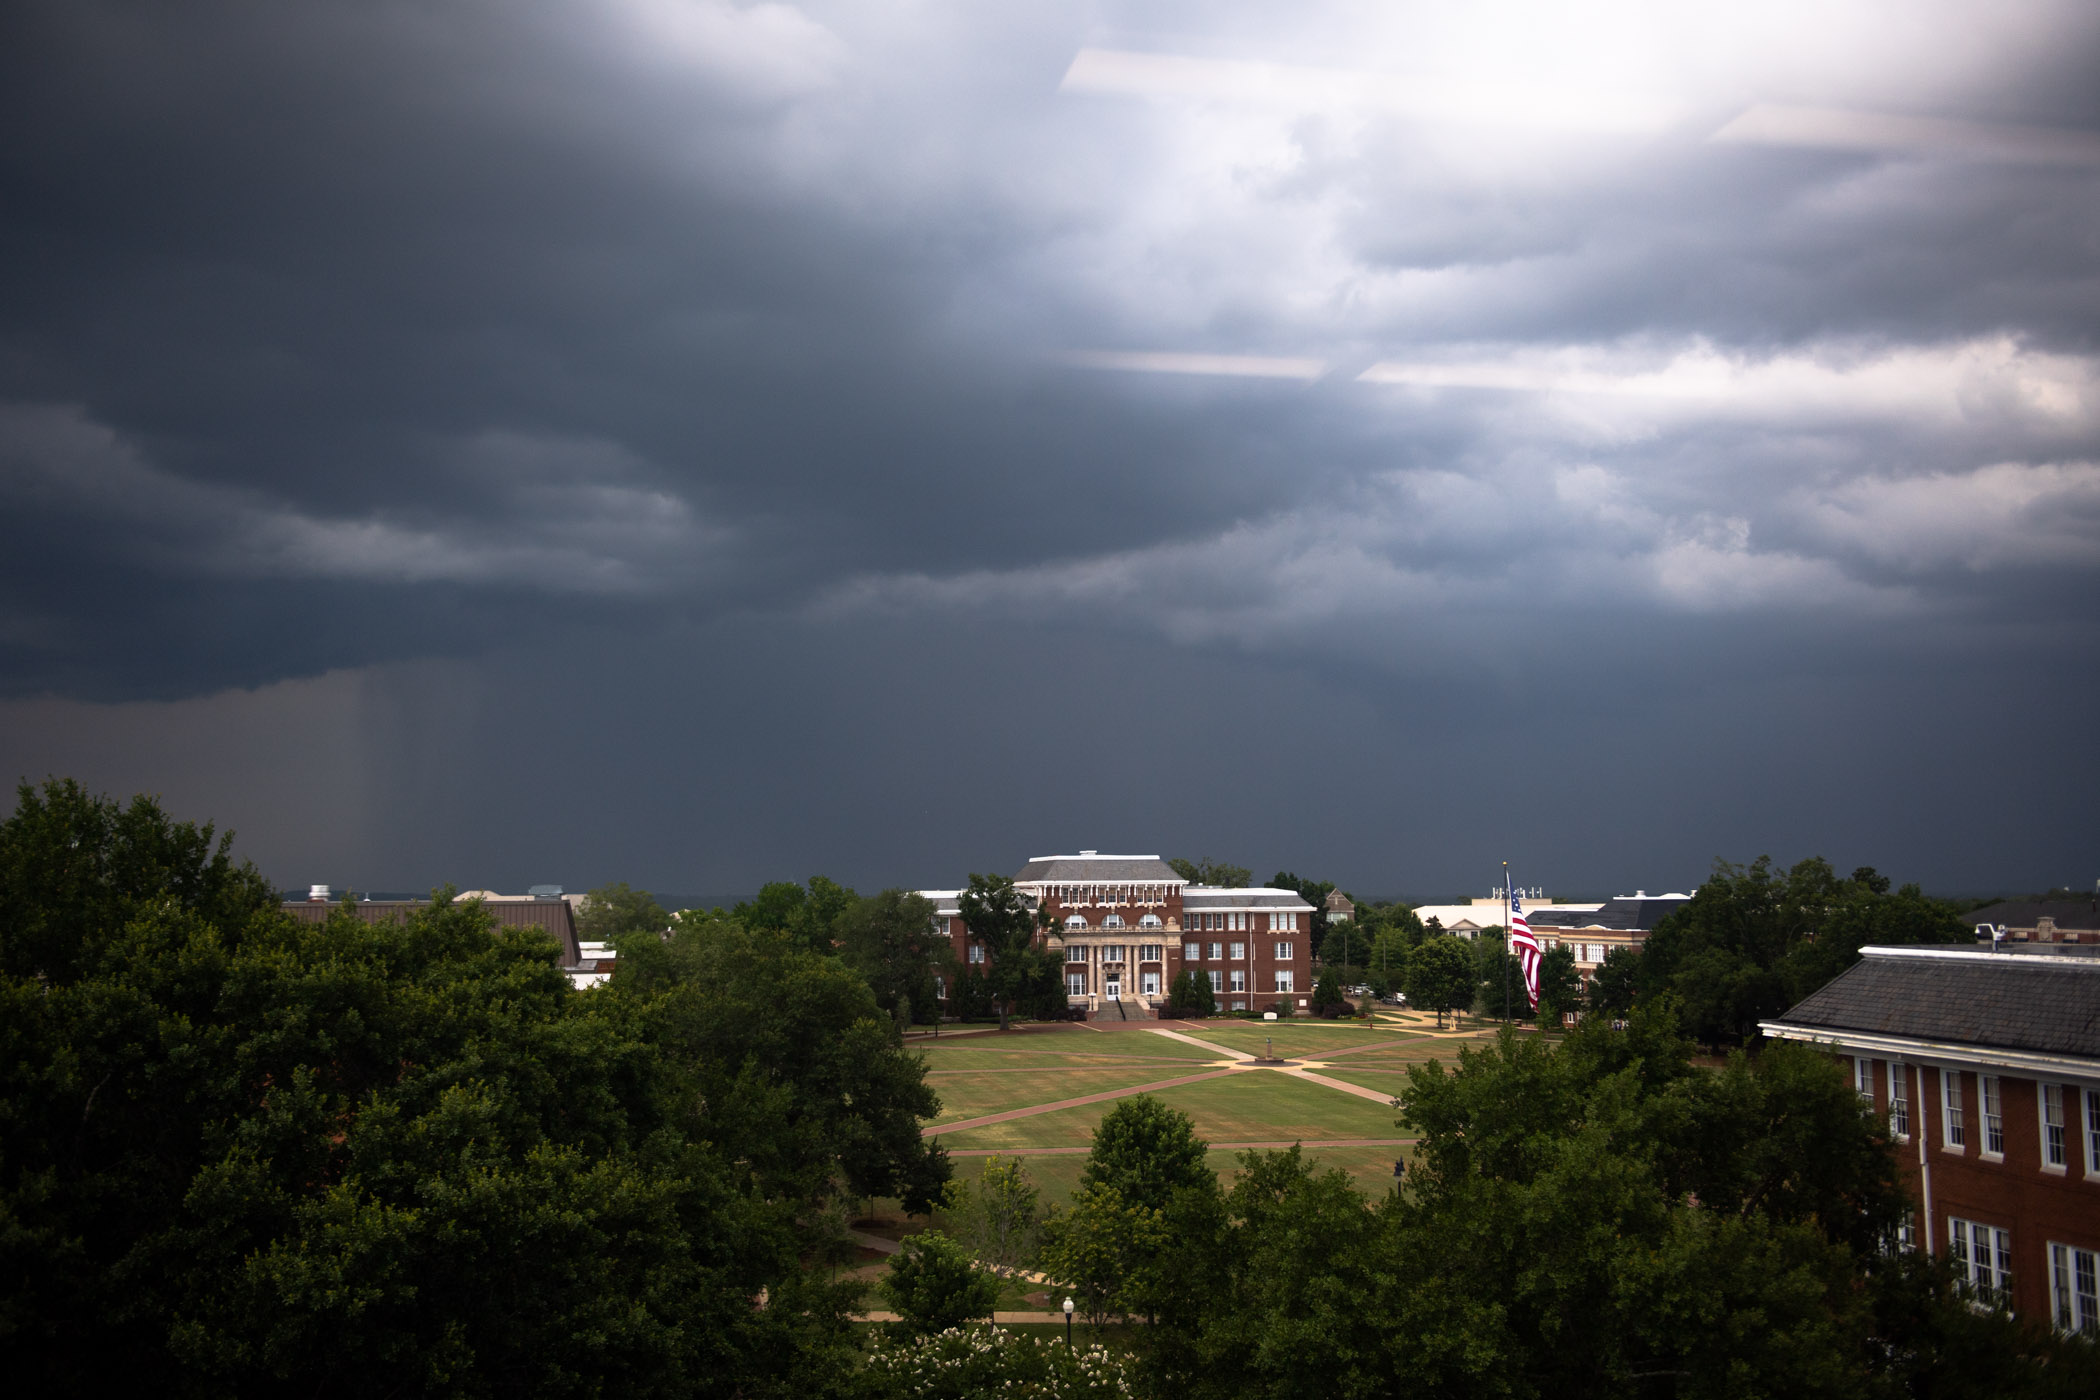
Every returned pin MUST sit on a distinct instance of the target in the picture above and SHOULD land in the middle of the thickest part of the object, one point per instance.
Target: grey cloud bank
(700, 444)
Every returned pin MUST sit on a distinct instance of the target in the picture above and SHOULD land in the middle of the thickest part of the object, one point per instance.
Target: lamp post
(1068, 1324)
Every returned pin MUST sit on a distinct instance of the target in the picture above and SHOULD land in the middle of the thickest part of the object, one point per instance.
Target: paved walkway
(1192, 1040)
(1375, 1095)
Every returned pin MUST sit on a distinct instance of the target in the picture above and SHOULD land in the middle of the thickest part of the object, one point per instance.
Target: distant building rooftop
(1094, 868)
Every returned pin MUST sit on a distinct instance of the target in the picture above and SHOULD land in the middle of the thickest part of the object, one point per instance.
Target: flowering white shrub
(969, 1363)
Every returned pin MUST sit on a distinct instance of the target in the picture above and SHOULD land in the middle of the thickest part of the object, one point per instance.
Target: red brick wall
(2038, 1206)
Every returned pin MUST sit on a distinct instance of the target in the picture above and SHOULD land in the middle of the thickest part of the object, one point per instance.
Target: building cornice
(2030, 1063)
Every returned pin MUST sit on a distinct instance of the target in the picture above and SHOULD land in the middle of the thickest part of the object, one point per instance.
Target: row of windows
(1982, 1255)
(1109, 894)
(2069, 1117)
(1286, 981)
(1075, 921)
(1234, 952)
(1240, 921)
(1148, 984)
(1113, 952)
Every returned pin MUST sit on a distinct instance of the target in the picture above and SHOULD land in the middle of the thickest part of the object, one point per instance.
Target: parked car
(1394, 999)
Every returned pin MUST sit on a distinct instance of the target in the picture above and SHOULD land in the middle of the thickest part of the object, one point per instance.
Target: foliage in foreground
(967, 1364)
(933, 1284)
(241, 1154)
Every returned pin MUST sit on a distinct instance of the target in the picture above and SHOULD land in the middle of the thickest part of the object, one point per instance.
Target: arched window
(1075, 921)
(1149, 921)
(1112, 921)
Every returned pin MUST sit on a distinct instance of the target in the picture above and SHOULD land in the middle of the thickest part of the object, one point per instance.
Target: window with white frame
(1863, 1077)
(1954, 1128)
(1217, 980)
(1192, 951)
(1239, 979)
(976, 952)
(1217, 951)
(1148, 983)
(1112, 953)
(2074, 1289)
(1112, 921)
(1286, 980)
(1987, 1089)
(1982, 1256)
(1151, 952)
(1906, 1237)
(2054, 1157)
(1899, 1102)
(940, 988)
(1238, 952)
(1075, 984)
(1283, 952)
(2092, 1132)
(1075, 921)
(1075, 952)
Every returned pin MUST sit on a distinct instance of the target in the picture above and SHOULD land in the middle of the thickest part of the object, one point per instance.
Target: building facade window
(1148, 983)
(1217, 952)
(1217, 980)
(1192, 951)
(1907, 1232)
(1863, 1078)
(1283, 952)
(1899, 1103)
(1238, 952)
(1151, 952)
(2092, 1132)
(940, 988)
(2054, 1156)
(1954, 1130)
(1286, 980)
(1982, 1255)
(1075, 952)
(1075, 984)
(1993, 1115)
(1239, 979)
(976, 952)
(2074, 1289)
(1112, 953)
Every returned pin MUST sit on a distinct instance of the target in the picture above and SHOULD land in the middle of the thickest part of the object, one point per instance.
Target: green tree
(1327, 997)
(1099, 1247)
(933, 1284)
(1560, 986)
(612, 910)
(1190, 995)
(1147, 1151)
(1753, 940)
(1210, 872)
(1440, 975)
(246, 1154)
(1002, 1213)
(794, 1066)
(889, 939)
(996, 914)
(1612, 988)
(807, 917)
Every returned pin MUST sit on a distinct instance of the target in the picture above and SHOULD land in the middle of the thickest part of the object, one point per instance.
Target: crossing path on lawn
(1215, 1147)
(1357, 1089)
(1208, 1045)
(1102, 1097)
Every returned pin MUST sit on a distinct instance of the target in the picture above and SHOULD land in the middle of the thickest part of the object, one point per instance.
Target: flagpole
(1505, 942)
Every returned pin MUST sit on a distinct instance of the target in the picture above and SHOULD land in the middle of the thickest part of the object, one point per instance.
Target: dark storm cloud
(353, 338)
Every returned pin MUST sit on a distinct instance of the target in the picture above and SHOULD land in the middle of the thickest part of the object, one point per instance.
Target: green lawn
(1291, 1040)
(1255, 1106)
(1058, 1177)
(972, 1096)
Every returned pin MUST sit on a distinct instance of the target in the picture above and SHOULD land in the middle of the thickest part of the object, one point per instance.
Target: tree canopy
(245, 1153)
(1210, 872)
(1753, 940)
(995, 913)
(612, 910)
(1439, 975)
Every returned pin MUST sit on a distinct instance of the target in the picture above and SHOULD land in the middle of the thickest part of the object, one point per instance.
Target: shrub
(963, 1364)
(934, 1284)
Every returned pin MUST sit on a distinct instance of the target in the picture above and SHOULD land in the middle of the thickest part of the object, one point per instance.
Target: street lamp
(1068, 1324)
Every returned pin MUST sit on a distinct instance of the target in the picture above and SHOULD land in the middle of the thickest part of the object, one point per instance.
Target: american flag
(1524, 945)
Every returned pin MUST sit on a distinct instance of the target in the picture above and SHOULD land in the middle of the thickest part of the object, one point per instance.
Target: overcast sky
(699, 444)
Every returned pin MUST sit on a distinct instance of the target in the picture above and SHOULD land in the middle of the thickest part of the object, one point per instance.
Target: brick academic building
(1987, 1065)
(1127, 926)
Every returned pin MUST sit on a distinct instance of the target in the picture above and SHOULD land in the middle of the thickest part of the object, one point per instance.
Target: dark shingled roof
(552, 915)
(2026, 913)
(1097, 870)
(2010, 1001)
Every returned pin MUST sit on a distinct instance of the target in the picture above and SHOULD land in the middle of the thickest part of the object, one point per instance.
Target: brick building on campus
(1127, 925)
(1987, 1065)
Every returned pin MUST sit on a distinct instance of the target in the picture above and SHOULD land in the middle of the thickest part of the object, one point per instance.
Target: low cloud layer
(1501, 351)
